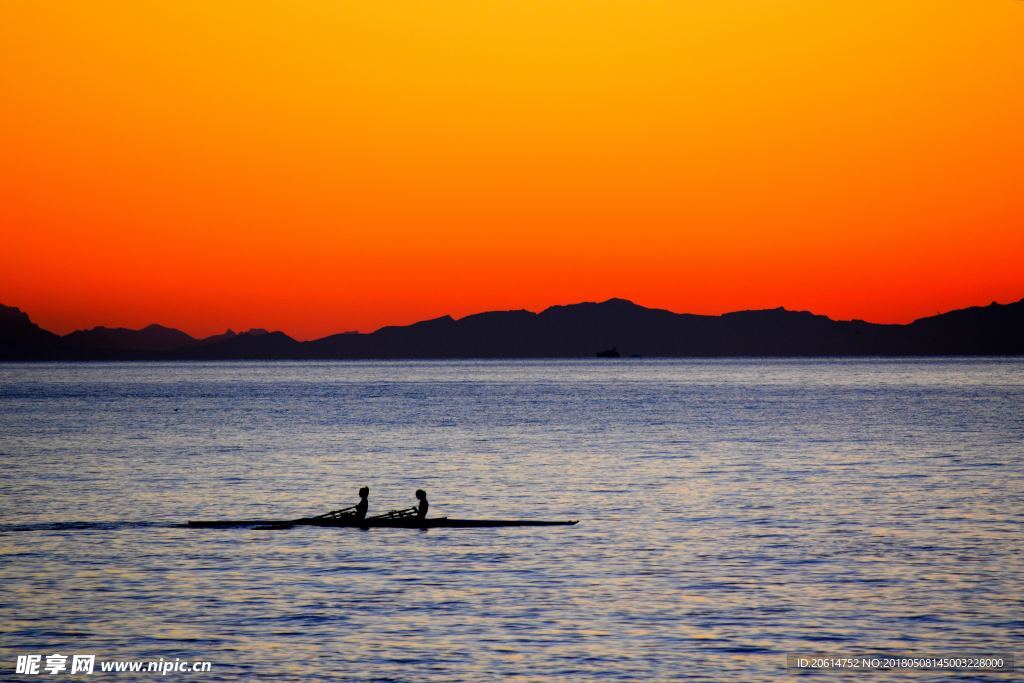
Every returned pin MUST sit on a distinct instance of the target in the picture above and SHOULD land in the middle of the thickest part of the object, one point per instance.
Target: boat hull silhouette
(413, 523)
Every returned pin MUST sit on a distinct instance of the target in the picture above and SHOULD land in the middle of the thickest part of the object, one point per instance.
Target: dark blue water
(731, 512)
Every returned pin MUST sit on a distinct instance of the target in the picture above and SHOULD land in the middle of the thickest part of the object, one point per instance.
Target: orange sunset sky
(339, 165)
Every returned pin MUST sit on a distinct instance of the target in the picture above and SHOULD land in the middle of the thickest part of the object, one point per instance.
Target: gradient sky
(340, 165)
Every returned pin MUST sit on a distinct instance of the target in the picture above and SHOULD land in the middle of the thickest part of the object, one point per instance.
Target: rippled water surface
(731, 512)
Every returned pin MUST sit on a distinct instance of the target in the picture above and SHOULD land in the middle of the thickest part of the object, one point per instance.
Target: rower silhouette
(355, 512)
(421, 511)
(364, 503)
(417, 511)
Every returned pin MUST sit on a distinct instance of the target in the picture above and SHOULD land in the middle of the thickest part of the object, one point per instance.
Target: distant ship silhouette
(609, 353)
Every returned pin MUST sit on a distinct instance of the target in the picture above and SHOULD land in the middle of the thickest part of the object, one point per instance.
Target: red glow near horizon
(344, 166)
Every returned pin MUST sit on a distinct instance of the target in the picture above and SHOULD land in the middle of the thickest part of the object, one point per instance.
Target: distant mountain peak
(20, 337)
(150, 339)
(14, 315)
(614, 303)
(11, 310)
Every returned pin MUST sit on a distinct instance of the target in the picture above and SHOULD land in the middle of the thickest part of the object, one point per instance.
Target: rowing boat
(371, 523)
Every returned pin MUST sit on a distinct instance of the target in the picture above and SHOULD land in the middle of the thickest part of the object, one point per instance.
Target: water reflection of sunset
(732, 511)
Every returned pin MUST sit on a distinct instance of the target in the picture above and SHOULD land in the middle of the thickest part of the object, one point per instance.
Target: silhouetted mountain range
(574, 331)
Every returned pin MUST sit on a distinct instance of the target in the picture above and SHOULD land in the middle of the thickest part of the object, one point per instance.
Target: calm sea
(731, 513)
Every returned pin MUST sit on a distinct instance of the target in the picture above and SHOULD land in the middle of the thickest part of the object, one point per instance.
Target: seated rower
(357, 511)
(364, 503)
(418, 511)
(421, 511)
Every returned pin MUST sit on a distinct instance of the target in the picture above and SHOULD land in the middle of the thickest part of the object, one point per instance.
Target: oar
(343, 512)
(397, 514)
(333, 514)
